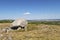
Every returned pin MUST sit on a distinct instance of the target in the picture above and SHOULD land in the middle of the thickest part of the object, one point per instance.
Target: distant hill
(44, 20)
(6, 21)
(37, 20)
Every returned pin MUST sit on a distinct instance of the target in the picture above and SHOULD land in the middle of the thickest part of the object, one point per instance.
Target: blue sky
(34, 9)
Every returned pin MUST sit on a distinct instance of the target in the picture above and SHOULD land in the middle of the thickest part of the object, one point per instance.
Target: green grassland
(35, 31)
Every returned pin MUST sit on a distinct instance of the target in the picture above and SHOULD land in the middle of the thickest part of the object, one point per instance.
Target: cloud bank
(27, 13)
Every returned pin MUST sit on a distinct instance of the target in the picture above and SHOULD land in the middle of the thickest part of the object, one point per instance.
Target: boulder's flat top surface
(21, 22)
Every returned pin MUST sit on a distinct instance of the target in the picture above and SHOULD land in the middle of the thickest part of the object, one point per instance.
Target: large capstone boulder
(19, 23)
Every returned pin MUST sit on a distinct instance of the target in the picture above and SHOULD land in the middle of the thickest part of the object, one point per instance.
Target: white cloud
(27, 13)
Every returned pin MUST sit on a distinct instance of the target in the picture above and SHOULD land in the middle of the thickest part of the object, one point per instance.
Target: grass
(34, 32)
(45, 22)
